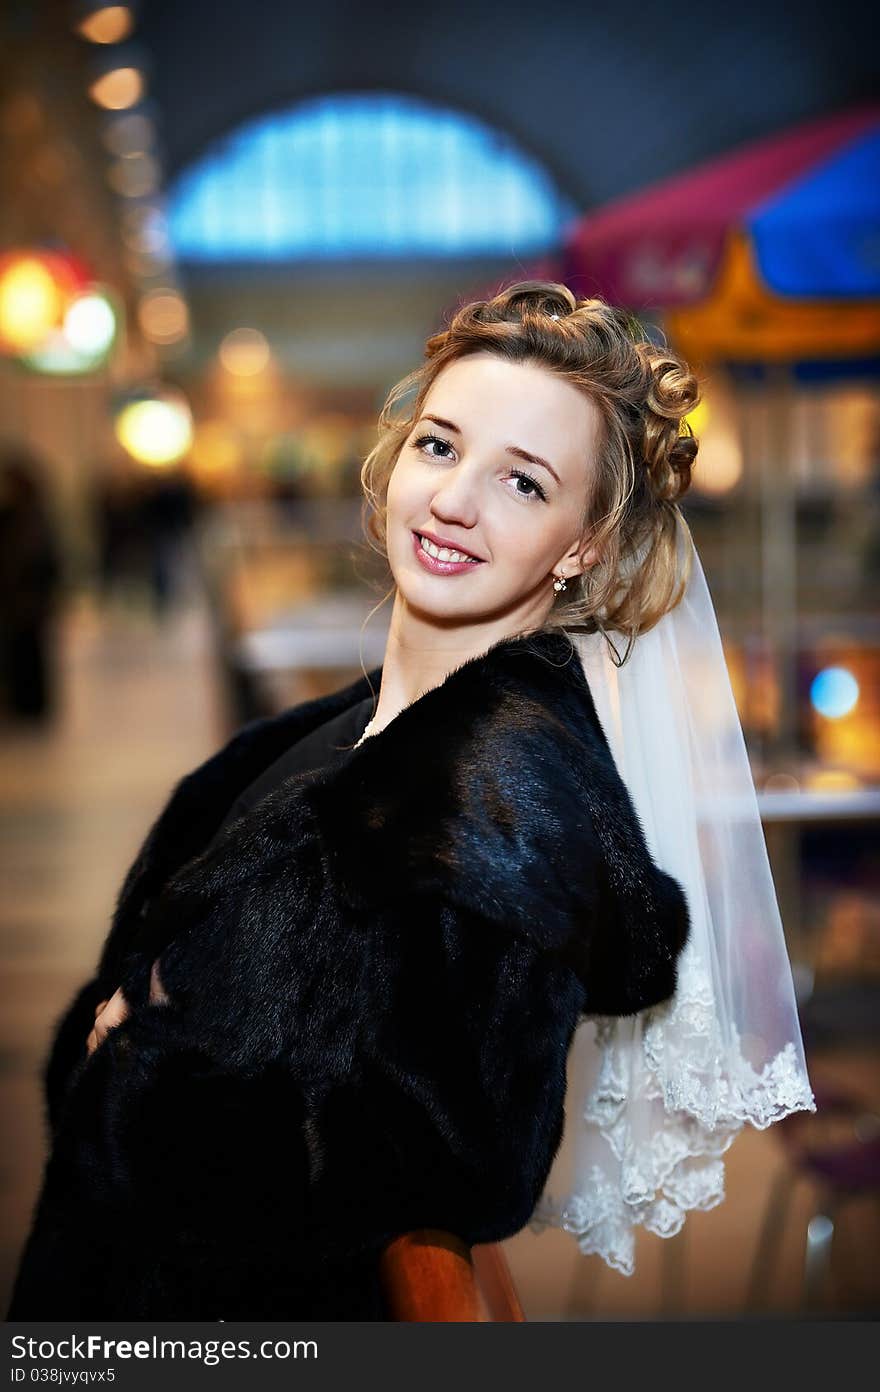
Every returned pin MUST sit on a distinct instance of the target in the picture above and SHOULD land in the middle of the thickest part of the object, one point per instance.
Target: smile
(442, 560)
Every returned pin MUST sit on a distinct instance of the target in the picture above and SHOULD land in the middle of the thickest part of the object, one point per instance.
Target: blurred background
(225, 231)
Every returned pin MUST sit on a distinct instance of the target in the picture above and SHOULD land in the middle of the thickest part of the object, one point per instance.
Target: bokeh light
(107, 24)
(156, 430)
(163, 316)
(90, 324)
(144, 228)
(30, 303)
(135, 176)
(834, 692)
(245, 352)
(128, 134)
(118, 89)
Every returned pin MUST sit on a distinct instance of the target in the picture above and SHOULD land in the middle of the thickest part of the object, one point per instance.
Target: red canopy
(664, 247)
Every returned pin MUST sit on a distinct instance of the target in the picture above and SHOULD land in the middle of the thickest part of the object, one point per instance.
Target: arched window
(364, 174)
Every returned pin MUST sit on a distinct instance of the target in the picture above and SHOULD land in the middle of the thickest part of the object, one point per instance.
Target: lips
(450, 545)
(437, 567)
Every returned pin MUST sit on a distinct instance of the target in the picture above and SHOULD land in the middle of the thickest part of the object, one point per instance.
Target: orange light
(107, 25)
(118, 89)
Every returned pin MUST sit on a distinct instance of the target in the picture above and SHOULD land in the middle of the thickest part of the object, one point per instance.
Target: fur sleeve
(191, 814)
(199, 802)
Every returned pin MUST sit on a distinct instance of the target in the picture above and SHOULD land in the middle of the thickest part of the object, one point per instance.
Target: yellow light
(245, 352)
(163, 316)
(110, 24)
(698, 417)
(119, 89)
(157, 432)
(30, 304)
(833, 781)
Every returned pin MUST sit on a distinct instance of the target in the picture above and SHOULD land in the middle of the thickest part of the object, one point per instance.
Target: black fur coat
(374, 977)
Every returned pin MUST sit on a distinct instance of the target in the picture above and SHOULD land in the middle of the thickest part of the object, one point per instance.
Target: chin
(422, 600)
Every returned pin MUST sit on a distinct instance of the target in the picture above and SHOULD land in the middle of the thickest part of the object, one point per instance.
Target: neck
(421, 652)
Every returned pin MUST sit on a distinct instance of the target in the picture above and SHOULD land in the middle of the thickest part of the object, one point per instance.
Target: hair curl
(643, 394)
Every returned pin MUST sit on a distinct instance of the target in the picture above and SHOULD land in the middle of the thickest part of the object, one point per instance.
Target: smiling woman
(583, 538)
(374, 955)
(576, 391)
(466, 492)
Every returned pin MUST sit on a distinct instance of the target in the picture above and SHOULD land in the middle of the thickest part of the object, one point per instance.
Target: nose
(455, 499)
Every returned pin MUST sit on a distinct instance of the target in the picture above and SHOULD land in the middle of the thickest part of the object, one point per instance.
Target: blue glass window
(364, 174)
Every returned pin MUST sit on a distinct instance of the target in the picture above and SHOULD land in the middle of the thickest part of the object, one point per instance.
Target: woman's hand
(112, 1012)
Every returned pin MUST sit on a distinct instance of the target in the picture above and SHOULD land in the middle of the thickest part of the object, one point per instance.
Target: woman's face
(462, 476)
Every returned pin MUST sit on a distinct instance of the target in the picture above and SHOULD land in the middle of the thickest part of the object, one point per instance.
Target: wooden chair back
(430, 1275)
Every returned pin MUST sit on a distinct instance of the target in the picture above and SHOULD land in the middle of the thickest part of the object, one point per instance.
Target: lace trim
(699, 1092)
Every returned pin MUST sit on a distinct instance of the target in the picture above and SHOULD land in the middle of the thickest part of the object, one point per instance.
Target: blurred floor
(139, 707)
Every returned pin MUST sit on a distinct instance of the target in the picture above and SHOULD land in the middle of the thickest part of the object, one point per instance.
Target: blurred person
(167, 514)
(345, 970)
(121, 544)
(289, 492)
(30, 584)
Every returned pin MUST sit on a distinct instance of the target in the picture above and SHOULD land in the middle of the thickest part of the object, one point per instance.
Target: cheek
(528, 541)
(401, 494)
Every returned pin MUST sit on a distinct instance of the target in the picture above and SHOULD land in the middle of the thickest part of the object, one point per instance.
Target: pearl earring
(559, 583)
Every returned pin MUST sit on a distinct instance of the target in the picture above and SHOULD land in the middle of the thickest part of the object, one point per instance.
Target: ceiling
(609, 98)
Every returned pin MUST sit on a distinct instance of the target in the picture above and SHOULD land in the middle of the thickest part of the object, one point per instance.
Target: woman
(344, 972)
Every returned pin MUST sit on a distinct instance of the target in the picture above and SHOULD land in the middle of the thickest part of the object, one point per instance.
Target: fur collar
(495, 792)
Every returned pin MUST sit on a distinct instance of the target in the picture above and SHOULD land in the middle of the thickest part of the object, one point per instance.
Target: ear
(579, 557)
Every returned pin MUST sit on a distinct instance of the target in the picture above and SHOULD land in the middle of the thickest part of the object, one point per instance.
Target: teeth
(443, 553)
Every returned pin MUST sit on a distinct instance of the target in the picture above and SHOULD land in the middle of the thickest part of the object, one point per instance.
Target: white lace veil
(654, 1100)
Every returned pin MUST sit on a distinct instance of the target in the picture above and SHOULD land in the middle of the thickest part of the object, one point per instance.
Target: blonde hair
(646, 449)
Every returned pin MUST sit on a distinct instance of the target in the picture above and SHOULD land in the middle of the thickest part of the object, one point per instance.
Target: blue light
(372, 174)
(834, 692)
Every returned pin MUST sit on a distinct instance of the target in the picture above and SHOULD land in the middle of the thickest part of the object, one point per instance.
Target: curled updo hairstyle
(646, 447)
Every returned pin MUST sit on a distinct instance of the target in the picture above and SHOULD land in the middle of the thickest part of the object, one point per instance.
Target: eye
(435, 440)
(536, 491)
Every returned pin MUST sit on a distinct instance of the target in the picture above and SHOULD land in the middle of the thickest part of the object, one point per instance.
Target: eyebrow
(509, 449)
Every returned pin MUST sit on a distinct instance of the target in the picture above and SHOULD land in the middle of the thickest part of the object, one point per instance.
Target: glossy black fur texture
(374, 977)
